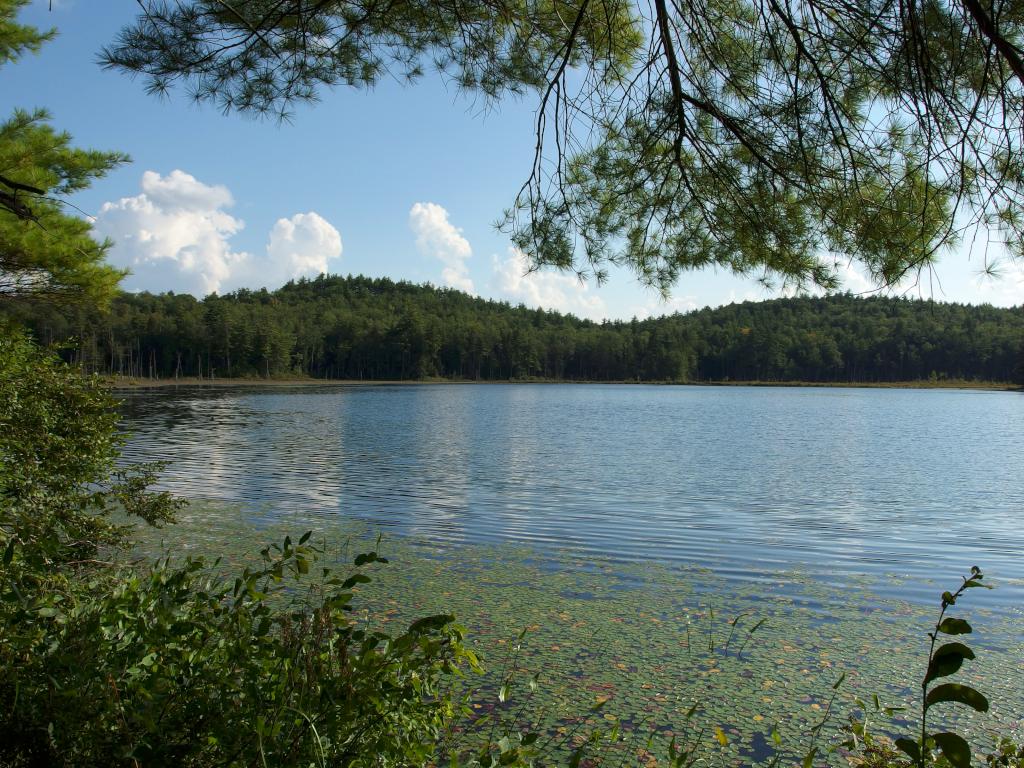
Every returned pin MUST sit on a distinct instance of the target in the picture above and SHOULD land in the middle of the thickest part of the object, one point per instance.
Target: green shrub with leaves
(172, 666)
(943, 748)
(945, 660)
(59, 477)
(107, 664)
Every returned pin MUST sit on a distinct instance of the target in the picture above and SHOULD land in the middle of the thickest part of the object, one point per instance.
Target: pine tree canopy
(775, 138)
(45, 250)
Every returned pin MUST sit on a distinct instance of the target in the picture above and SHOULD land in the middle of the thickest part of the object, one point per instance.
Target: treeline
(363, 328)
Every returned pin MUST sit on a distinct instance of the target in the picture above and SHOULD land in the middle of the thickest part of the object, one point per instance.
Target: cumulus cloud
(176, 236)
(302, 245)
(551, 290)
(438, 238)
(173, 236)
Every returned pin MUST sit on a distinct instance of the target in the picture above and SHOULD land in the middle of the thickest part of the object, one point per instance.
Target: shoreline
(124, 383)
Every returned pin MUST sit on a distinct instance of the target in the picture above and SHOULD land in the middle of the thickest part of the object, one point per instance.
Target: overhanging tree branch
(779, 137)
(1008, 50)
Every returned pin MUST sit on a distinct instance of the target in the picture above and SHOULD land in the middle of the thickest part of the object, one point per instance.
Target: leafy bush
(945, 748)
(104, 664)
(174, 667)
(59, 479)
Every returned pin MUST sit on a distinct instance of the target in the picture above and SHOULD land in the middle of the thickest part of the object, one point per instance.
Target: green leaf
(954, 748)
(305, 537)
(428, 623)
(809, 757)
(947, 660)
(503, 694)
(953, 649)
(910, 748)
(963, 694)
(356, 578)
(530, 738)
(951, 626)
(9, 553)
(366, 557)
(976, 582)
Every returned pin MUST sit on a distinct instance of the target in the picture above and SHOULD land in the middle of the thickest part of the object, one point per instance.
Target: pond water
(832, 483)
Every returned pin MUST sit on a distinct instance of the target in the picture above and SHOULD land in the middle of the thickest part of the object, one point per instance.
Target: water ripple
(831, 482)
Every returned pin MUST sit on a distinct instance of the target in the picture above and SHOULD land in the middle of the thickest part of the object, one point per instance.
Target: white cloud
(659, 306)
(302, 245)
(998, 281)
(180, 192)
(853, 279)
(440, 239)
(1004, 287)
(176, 236)
(173, 236)
(559, 291)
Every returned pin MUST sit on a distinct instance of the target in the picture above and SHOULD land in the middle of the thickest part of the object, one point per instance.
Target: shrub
(105, 664)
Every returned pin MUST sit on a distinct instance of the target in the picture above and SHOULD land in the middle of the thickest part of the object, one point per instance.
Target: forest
(363, 328)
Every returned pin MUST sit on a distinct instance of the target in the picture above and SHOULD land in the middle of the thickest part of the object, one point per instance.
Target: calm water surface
(750, 481)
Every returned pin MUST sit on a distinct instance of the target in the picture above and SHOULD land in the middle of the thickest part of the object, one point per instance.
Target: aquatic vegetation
(666, 652)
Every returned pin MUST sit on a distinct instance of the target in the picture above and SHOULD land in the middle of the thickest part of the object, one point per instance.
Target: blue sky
(401, 181)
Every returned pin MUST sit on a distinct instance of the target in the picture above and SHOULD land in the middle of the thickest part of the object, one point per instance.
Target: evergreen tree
(44, 250)
(776, 139)
(361, 328)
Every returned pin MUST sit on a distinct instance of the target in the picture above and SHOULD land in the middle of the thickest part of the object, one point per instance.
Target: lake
(906, 486)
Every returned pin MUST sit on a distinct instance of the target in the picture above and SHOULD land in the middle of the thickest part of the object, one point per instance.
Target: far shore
(123, 382)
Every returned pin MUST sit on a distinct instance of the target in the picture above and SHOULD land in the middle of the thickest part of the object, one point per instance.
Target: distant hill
(364, 328)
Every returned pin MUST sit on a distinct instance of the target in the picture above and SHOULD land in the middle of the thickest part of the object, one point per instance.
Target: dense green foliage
(361, 328)
(104, 664)
(43, 249)
(59, 480)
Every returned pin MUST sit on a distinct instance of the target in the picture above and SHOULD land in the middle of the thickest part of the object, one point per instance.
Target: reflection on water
(749, 481)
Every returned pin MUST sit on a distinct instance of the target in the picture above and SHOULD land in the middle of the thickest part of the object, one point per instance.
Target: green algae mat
(650, 652)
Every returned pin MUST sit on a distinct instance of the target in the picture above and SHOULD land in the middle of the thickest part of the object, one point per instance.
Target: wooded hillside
(364, 328)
